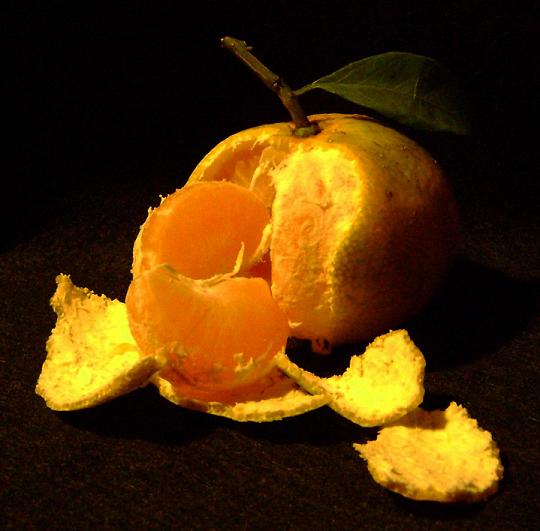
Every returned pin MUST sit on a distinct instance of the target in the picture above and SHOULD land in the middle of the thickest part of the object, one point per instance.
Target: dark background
(107, 108)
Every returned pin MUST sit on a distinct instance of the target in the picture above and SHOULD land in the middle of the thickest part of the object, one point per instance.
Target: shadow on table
(144, 414)
(437, 510)
(478, 310)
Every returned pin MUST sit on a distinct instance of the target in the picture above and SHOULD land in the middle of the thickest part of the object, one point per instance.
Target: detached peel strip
(280, 398)
(380, 386)
(441, 456)
(91, 355)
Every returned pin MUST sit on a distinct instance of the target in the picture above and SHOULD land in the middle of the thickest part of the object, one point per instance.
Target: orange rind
(91, 354)
(380, 386)
(274, 397)
(92, 358)
(441, 456)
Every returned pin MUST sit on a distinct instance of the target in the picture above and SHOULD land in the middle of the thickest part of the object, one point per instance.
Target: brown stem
(303, 127)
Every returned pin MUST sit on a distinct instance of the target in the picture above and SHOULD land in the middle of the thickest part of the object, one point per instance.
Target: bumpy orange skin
(344, 280)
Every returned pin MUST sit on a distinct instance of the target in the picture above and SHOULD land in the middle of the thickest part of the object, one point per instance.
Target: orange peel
(91, 355)
(274, 397)
(92, 358)
(380, 386)
(441, 456)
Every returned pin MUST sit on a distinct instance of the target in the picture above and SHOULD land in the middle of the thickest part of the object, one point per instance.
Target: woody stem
(302, 125)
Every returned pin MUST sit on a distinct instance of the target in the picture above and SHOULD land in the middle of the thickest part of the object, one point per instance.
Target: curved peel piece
(275, 398)
(441, 456)
(380, 386)
(91, 354)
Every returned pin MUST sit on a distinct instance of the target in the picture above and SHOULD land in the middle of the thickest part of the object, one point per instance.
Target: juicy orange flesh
(216, 336)
(200, 229)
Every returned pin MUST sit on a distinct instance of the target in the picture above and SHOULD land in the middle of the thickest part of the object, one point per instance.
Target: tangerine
(364, 223)
(217, 334)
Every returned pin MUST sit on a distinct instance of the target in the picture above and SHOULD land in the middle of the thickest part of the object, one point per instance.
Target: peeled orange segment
(200, 229)
(380, 386)
(364, 223)
(91, 354)
(219, 334)
(441, 456)
(274, 397)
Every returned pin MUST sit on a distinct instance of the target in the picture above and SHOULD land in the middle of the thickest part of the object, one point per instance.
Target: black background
(108, 107)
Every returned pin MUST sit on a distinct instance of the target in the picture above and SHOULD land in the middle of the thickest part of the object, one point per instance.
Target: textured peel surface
(380, 386)
(317, 199)
(91, 354)
(441, 456)
(273, 398)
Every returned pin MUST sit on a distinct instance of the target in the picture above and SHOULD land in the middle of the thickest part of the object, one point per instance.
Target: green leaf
(411, 89)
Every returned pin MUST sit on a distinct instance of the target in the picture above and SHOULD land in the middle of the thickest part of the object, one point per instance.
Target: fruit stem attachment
(302, 126)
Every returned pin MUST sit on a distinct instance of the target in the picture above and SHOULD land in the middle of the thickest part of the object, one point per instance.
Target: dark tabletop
(113, 109)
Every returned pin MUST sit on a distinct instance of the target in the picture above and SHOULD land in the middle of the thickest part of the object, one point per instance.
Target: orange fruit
(364, 223)
(218, 336)
(201, 229)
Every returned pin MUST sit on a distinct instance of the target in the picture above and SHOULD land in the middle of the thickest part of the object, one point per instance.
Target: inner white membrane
(317, 197)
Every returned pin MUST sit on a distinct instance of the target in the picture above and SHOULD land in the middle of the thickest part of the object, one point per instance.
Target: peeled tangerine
(364, 224)
(340, 236)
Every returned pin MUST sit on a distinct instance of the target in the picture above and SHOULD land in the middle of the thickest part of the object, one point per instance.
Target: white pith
(318, 189)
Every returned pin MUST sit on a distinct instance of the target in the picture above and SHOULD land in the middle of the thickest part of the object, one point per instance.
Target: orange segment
(200, 229)
(218, 335)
